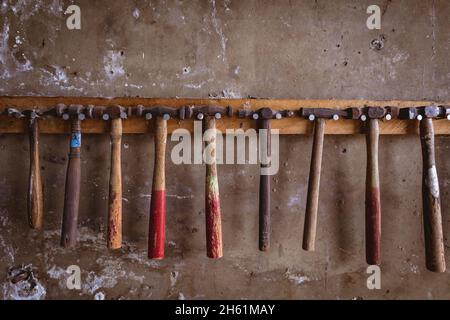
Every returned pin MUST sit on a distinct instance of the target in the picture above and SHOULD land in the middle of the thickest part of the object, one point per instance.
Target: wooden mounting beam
(294, 125)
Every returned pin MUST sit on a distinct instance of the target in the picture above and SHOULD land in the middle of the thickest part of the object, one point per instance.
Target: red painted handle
(214, 247)
(156, 236)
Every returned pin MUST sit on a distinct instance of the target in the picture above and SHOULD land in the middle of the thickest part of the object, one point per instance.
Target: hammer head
(375, 112)
(324, 113)
(164, 112)
(199, 112)
(116, 112)
(74, 111)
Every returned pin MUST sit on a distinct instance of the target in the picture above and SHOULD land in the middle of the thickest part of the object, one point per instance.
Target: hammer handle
(373, 204)
(35, 197)
(158, 200)
(264, 196)
(312, 202)
(114, 240)
(432, 219)
(212, 201)
(72, 192)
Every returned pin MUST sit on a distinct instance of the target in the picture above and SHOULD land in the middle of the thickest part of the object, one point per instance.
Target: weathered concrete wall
(275, 49)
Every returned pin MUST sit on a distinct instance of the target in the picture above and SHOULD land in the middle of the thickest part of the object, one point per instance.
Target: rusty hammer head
(74, 111)
(106, 113)
(419, 113)
(199, 112)
(265, 114)
(387, 113)
(322, 113)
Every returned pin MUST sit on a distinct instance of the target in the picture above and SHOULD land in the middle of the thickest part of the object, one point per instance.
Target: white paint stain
(294, 201)
(136, 13)
(113, 64)
(300, 279)
(27, 289)
(217, 24)
(432, 181)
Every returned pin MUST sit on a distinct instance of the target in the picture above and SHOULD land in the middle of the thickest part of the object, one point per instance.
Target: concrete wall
(231, 49)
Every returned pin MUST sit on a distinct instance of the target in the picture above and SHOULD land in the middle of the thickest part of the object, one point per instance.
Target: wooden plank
(51, 125)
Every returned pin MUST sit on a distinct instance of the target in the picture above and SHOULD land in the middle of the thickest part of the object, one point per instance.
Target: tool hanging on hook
(115, 114)
(319, 116)
(209, 115)
(72, 190)
(263, 118)
(35, 198)
(157, 223)
(373, 199)
(432, 218)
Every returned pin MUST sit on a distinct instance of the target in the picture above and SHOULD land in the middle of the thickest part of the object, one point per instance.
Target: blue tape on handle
(75, 142)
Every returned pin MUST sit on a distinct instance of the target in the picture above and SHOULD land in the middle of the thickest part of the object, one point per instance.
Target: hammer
(156, 236)
(209, 114)
(319, 116)
(35, 203)
(432, 219)
(115, 114)
(373, 201)
(72, 190)
(263, 117)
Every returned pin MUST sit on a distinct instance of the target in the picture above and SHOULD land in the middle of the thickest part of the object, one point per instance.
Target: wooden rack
(294, 125)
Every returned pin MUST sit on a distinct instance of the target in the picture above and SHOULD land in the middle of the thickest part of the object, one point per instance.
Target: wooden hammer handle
(264, 196)
(157, 224)
(72, 192)
(214, 248)
(114, 240)
(373, 203)
(35, 197)
(312, 202)
(432, 219)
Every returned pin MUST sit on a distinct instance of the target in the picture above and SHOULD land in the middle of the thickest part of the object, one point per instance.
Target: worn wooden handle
(264, 194)
(432, 219)
(35, 196)
(214, 248)
(157, 224)
(373, 203)
(114, 240)
(72, 192)
(312, 202)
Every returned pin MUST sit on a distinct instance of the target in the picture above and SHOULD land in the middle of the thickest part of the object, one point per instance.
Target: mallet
(156, 235)
(35, 202)
(319, 117)
(432, 219)
(72, 190)
(209, 114)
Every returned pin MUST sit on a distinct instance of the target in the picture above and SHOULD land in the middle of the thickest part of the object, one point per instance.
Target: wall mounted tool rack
(294, 125)
(82, 115)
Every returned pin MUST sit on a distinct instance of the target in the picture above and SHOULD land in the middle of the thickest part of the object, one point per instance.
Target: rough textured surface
(275, 49)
